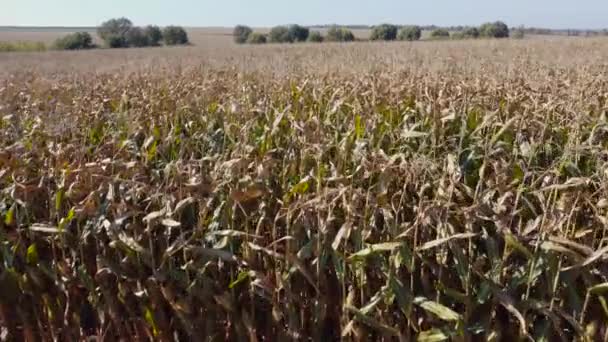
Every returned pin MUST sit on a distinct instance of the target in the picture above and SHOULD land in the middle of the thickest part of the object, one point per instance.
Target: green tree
(280, 34)
(298, 33)
(75, 41)
(384, 32)
(241, 34)
(410, 33)
(470, 32)
(257, 38)
(115, 30)
(440, 34)
(494, 30)
(116, 41)
(315, 37)
(154, 34)
(175, 35)
(339, 34)
(137, 37)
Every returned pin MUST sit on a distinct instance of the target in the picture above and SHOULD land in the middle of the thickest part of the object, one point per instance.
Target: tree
(315, 37)
(114, 30)
(257, 38)
(241, 34)
(440, 34)
(494, 30)
(384, 32)
(75, 41)
(137, 37)
(175, 35)
(339, 34)
(470, 32)
(298, 33)
(154, 34)
(280, 34)
(410, 33)
(115, 41)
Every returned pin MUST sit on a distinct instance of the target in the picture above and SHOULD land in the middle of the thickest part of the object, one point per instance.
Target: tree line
(291, 34)
(386, 32)
(121, 33)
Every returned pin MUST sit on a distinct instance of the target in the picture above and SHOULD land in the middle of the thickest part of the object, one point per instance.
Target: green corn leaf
(31, 257)
(359, 127)
(437, 309)
(375, 249)
(433, 335)
(149, 317)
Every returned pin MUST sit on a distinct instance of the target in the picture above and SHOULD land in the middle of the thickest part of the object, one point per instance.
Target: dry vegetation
(431, 191)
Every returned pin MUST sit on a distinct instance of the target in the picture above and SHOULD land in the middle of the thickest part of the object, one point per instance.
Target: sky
(582, 14)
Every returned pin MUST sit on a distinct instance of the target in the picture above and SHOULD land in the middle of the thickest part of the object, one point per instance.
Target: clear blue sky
(545, 13)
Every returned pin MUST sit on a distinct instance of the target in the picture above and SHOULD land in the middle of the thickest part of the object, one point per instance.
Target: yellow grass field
(427, 191)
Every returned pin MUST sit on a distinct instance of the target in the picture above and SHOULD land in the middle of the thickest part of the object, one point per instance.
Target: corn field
(437, 192)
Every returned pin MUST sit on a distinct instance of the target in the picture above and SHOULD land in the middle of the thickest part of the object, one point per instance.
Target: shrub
(518, 33)
(175, 35)
(494, 30)
(241, 34)
(458, 36)
(280, 34)
(470, 32)
(440, 34)
(137, 37)
(384, 32)
(410, 33)
(315, 37)
(74, 41)
(115, 30)
(298, 33)
(154, 34)
(257, 38)
(116, 41)
(339, 34)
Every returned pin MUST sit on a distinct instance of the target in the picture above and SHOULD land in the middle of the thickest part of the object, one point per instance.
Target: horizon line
(310, 26)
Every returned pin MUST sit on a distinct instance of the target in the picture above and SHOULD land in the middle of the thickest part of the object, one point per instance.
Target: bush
(114, 31)
(280, 34)
(410, 33)
(339, 34)
(137, 37)
(75, 41)
(315, 37)
(440, 34)
(518, 33)
(470, 32)
(298, 33)
(257, 38)
(457, 36)
(494, 30)
(384, 32)
(154, 35)
(116, 41)
(241, 34)
(175, 35)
